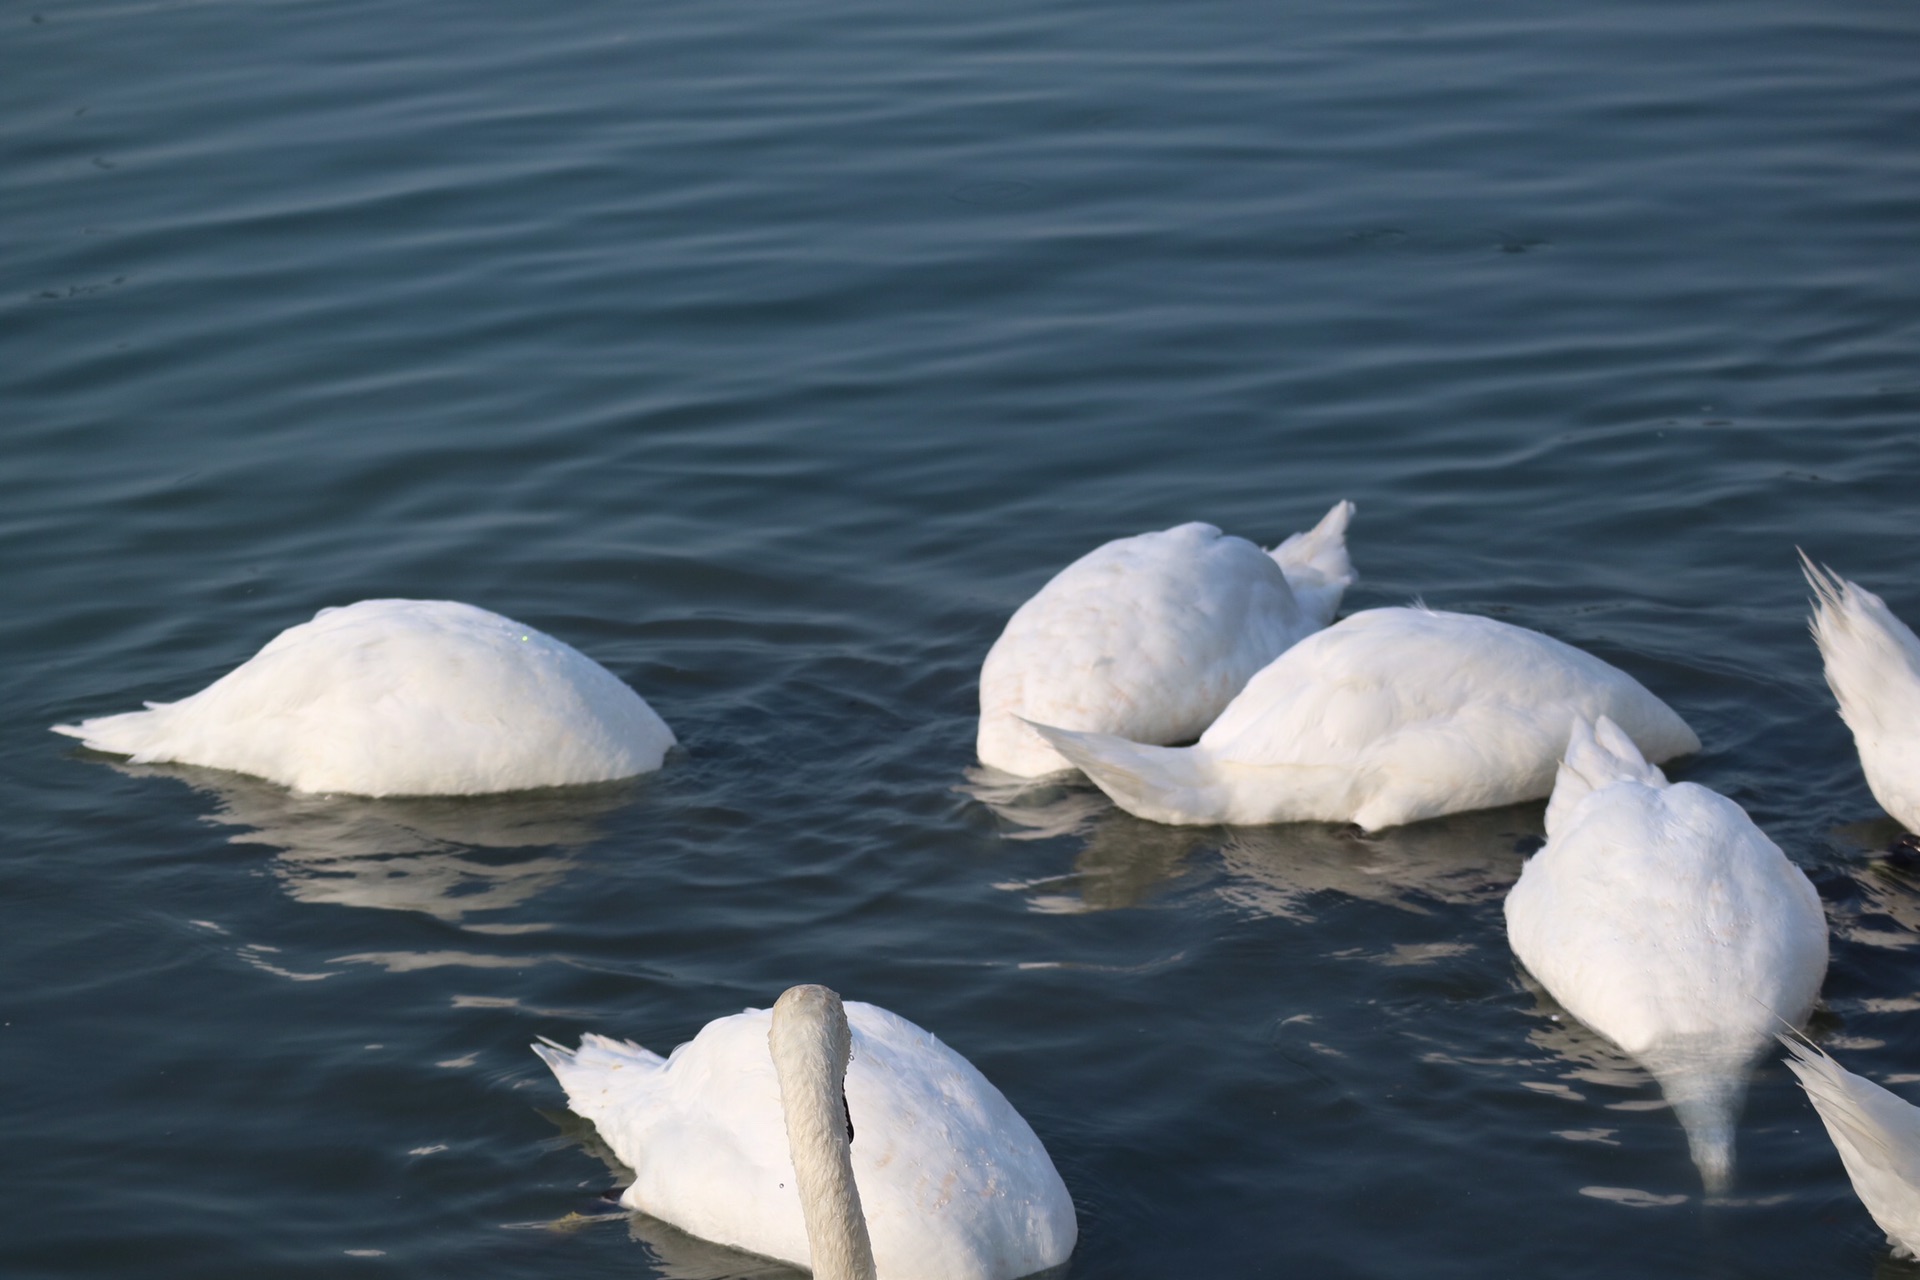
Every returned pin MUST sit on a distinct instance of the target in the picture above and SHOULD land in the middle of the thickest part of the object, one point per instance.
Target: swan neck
(1706, 1086)
(811, 1045)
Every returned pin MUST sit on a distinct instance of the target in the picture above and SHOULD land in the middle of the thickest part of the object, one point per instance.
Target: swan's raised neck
(811, 1045)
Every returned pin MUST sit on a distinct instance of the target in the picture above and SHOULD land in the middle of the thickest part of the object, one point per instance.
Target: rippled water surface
(772, 355)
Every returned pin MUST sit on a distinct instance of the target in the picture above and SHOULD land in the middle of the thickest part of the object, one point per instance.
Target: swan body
(1878, 1135)
(952, 1183)
(1149, 637)
(1872, 663)
(1659, 915)
(1387, 717)
(402, 697)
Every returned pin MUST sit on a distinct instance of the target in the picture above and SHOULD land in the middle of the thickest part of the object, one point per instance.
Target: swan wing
(955, 1183)
(703, 1131)
(1433, 712)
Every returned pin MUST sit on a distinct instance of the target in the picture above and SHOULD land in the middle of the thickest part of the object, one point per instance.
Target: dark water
(771, 355)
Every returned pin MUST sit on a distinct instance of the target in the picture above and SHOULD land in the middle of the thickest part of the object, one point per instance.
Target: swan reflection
(1123, 863)
(1059, 804)
(1457, 860)
(445, 856)
(1461, 859)
(1885, 884)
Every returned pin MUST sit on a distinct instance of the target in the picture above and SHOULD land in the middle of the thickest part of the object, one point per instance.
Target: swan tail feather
(1162, 784)
(558, 1057)
(1316, 563)
(588, 1071)
(1599, 753)
(140, 735)
(1872, 659)
(1863, 1119)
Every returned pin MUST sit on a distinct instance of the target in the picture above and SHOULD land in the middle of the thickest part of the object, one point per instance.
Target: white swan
(1878, 1136)
(1388, 716)
(1149, 637)
(1658, 914)
(402, 697)
(1873, 667)
(745, 1136)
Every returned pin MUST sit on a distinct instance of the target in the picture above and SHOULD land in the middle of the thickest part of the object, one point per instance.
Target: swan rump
(1872, 662)
(1387, 717)
(402, 697)
(1877, 1133)
(1659, 915)
(952, 1182)
(1149, 637)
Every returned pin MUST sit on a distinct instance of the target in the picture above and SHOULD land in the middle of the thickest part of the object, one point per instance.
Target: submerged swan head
(811, 1045)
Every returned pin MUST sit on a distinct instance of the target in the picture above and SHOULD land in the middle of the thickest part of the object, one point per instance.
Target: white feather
(1873, 667)
(1387, 717)
(1149, 637)
(1663, 918)
(402, 697)
(953, 1182)
(1878, 1136)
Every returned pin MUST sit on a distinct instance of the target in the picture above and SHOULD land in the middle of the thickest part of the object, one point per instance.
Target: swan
(1658, 914)
(759, 1134)
(1878, 1135)
(1149, 637)
(1388, 716)
(1872, 662)
(402, 697)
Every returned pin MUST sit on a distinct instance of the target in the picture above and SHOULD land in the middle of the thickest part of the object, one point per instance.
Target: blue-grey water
(771, 355)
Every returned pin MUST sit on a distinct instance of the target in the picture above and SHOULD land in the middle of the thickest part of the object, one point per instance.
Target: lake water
(772, 355)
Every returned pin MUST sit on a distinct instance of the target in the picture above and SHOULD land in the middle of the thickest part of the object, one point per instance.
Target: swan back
(402, 697)
(1878, 1136)
(1388, 716)
(953, 1182)
(1150, 636)
(1872, 662)
(1658, 914)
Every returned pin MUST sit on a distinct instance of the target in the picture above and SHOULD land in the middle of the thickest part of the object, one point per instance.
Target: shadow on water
(444, 856)
(1888, 1267)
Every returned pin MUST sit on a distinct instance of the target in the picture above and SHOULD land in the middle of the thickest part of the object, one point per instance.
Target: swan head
(811, 1045)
